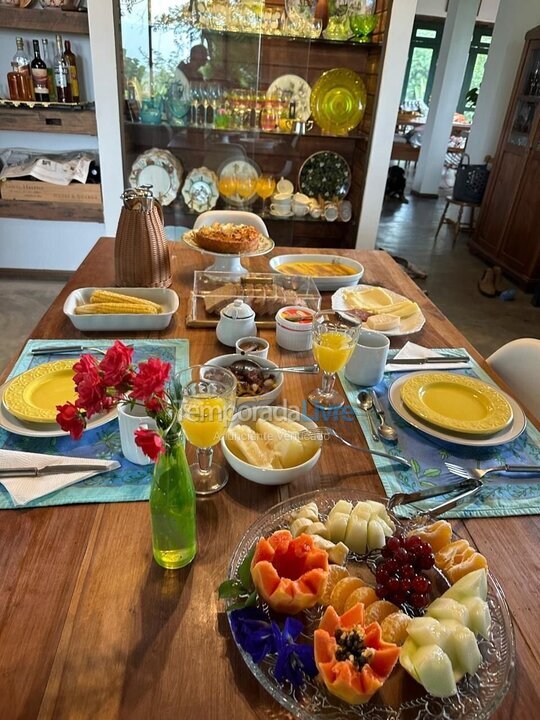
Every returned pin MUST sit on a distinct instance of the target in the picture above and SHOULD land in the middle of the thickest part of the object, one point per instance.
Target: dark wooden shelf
(74, 212)
(52, 120)
(290, 38)
(51, 19)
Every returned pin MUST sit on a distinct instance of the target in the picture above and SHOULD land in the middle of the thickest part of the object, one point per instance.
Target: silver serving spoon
(366, 403)
(250, 365)
(387, 432)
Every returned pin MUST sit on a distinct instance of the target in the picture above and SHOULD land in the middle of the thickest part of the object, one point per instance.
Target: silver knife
(434, 359)
(54, 469)
(60, 349)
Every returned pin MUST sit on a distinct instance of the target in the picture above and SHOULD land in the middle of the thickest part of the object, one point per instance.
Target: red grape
(401, 556)
(393, 544)
(418, 600)
(412, 541)
(420, 584)
(407, 571)
(425, 562)
(392, 585)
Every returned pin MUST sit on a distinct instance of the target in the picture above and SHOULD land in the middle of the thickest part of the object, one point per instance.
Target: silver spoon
(387, 432)
(250, 365)
(325, 433)
(366, 403)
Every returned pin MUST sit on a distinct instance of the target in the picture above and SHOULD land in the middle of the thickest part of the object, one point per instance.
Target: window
(474, 72)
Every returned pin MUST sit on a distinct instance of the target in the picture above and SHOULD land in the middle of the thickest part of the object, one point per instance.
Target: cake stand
(227, 262)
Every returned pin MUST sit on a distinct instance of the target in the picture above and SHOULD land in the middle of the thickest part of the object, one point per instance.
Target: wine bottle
(20, 59)
(61, 74)
(39, 75)
(71, 62)
(50, 73)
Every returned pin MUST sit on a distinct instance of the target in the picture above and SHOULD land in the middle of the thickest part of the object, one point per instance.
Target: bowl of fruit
(264, 445)
(255, 386)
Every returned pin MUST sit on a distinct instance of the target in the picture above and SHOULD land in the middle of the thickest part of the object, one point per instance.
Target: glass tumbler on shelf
(206, 410)
(264, 187)
(362, 20)
(333, 343)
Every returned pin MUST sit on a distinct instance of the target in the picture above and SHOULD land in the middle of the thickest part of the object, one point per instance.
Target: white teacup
(300, 210)
(330, 212)
(315, 211)
(280, 208)
(282, 197)
(301, 199)
(366, 366)
(129, 420)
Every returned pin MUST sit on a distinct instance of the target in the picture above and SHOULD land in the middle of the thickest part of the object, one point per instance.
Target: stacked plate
(28, 401)
(457, 408)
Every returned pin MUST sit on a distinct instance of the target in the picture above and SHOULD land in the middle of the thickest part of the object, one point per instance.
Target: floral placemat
(129, 482)
(502, 494)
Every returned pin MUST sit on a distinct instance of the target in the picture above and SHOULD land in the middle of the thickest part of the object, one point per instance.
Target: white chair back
(518, 363)
(237, 217)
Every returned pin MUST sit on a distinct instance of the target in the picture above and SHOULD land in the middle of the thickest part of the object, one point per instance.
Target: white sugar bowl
(237, 320)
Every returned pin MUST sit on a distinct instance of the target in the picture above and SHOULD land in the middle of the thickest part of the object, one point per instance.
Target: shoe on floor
(500, 285)
(486, 284)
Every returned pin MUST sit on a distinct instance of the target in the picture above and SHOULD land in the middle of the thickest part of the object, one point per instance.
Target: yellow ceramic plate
(457, 402)
(34, 395)
(338, 101)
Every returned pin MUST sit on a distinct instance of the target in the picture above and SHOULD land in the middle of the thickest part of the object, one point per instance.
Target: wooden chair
(458, 225)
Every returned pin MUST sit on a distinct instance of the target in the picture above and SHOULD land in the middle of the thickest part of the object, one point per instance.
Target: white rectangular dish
(168, 300)
(323, 282)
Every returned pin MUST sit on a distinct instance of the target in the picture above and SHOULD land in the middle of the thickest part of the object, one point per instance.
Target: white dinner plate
(19, 427)
(511, 432)
(407, 326)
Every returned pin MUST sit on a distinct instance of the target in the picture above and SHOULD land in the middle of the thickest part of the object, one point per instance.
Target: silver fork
(65, 349)
(479, 473)
(325, 433)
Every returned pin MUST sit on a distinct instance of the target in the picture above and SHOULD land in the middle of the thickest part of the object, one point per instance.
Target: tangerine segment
(394, 627)
(342, 591)
(378, 610)
(365, 595)
(335, 574)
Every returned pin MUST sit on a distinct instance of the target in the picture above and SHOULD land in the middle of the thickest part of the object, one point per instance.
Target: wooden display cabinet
(280, 154)
(508, 228)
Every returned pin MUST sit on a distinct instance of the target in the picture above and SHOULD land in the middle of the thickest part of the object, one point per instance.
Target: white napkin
(23, 489)
(412, 351)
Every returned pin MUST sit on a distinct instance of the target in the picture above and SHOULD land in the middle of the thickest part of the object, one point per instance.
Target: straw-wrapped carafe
(141, 253)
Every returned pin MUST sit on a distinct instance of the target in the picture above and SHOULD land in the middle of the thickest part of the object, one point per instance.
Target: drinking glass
(227, 186)
(264, 187)
(362, 20)
(333, 343)
(245, 187)
(208, 396)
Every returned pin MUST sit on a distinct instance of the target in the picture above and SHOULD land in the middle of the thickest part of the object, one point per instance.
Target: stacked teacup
(300, 204)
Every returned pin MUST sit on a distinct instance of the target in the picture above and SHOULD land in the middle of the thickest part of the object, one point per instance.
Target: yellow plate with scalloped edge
(33, 395)
(457, 402)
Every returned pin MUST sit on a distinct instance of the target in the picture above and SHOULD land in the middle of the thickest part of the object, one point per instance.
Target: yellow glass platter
(338, 101)
(457, 402)
(34, 395)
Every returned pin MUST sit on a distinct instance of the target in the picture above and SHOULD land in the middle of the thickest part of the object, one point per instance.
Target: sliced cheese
(382, 322)
(370, 298)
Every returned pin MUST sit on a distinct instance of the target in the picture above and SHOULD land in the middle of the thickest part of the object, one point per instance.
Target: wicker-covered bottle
(141, 253)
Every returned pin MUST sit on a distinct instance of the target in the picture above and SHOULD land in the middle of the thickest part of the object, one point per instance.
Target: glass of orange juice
(264, 187)
(227, 186)
(208, 396)
(333, 344)
(245, 187)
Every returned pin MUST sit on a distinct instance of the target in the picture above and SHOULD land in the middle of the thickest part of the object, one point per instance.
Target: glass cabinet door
(242, 105)
(525, 119)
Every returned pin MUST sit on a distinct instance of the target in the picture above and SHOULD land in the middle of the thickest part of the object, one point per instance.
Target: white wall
(437, 8)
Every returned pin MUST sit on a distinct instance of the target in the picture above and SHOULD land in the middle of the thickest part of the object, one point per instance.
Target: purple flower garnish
(253, 632)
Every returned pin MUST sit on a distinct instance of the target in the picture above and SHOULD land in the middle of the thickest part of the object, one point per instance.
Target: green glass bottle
(172, 510)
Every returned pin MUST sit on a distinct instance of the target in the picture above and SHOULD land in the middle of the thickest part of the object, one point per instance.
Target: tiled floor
(406, 230)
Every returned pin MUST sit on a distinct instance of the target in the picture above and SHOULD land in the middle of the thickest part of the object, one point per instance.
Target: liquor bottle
(61, 74)
(71, 61)
(50, 72)
(23, 66)
(16, 84)
(39, 75)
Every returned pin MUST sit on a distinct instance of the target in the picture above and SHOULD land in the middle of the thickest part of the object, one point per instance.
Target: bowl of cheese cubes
(264, 444)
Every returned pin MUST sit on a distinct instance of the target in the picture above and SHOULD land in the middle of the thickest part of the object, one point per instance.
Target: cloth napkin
(413, 351)
(24, 489)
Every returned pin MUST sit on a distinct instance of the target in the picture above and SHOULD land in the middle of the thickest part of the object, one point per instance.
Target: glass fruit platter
(400, 697)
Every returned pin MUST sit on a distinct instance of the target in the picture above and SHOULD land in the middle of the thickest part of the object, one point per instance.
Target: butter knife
(434, 359)
(61, 349)
(55, 469)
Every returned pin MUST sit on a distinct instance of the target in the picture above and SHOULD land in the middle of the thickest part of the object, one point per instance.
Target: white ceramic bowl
(263, 476)
(328, 282)
(264, 399)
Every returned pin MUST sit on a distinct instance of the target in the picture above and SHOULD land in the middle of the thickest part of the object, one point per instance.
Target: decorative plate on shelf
(400, 698)
(325, 173)
(200, 190)
(457, 402)
(239, 168)
(294, 89)
(338, 101)
(160, 169)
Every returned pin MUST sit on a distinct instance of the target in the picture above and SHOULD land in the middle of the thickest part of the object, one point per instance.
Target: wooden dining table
(92, 627)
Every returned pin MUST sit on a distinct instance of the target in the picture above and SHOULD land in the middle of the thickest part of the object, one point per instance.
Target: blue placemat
(502, 494)
(129, 482)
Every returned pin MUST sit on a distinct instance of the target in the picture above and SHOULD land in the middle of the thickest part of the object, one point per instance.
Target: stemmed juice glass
(227, 186)
(362, 20)
(333, 343)
(208, 398)
(264, 187)
(245, 187)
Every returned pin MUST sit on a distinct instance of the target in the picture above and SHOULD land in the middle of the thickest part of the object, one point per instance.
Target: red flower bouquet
(102, 384)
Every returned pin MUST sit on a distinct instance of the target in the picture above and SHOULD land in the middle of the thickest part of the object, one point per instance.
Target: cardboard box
(37, 191)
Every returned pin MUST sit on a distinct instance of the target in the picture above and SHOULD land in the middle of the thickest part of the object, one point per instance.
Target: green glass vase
(172, 510)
